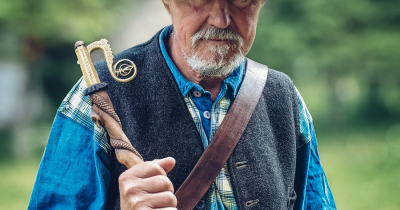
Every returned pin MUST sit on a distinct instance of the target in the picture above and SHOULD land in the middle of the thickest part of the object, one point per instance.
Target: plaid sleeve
(74, 170)
(77, 107)
(305, 119)
(312, 188)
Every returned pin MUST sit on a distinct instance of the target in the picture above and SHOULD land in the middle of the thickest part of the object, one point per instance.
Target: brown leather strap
(225, 139)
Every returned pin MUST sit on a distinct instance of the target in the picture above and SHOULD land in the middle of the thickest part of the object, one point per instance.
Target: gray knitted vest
(158, 123)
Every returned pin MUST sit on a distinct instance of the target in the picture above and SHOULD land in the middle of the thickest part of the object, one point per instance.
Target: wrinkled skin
(189, 16)
(146, 186)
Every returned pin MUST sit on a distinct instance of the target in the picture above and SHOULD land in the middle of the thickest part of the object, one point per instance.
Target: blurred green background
(343, 56)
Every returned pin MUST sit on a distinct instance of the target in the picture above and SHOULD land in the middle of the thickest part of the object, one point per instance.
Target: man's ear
(166, 5)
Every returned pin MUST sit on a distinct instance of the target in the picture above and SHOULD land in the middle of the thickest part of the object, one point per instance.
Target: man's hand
(146, 186)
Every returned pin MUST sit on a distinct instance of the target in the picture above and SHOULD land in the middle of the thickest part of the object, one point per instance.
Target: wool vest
(157, 121)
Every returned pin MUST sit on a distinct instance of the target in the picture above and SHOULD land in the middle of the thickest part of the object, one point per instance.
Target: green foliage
(56, 20)
(342, 55)
(5, 144)
(39, 36)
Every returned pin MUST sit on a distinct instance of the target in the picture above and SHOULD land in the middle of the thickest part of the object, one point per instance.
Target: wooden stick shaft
(103, 114)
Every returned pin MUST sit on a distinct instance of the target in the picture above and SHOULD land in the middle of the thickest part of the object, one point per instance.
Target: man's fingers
(149, 169)
(144, 170)
(166, 163)
(155, 184)
(146, 185)
(161, 200)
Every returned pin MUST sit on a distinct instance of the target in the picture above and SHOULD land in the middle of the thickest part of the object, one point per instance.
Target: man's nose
(219, 14)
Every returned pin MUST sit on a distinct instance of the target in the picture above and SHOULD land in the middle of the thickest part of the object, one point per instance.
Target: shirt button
(201, 205)
(197, 94)
(207, 115)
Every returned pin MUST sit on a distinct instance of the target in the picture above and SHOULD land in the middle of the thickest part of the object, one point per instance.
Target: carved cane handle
(103, 113)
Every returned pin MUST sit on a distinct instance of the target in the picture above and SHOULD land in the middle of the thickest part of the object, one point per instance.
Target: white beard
(221, 65)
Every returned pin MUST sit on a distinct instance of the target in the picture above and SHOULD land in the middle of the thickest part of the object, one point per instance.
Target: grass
(362, 170)
(16, 182)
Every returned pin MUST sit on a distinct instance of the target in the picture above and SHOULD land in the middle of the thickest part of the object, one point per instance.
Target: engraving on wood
(102, 104)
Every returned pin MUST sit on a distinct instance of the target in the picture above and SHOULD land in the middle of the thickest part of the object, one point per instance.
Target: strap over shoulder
(225, 139)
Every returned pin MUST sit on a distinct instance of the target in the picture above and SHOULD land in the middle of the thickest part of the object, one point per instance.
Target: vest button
(201, 205)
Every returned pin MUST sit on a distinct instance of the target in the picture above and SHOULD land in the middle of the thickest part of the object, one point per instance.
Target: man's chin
(211, 72)
(214, 64)
(222, 58)
(214, 67)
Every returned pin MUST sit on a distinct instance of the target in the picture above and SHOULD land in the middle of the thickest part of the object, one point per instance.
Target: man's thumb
(166, 163)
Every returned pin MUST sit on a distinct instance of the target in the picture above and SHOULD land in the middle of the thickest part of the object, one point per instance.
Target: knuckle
(130, 188)
(154, 167)
(123, 177)
(134, 198)
(165, 183)
(171, 199)
(163, 179)
(127, 176)
(124, 186)
(137, 202)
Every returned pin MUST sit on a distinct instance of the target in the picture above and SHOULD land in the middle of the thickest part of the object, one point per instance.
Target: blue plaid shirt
(75, 168)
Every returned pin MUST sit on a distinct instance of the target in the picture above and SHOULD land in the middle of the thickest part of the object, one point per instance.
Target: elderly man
(189, 75)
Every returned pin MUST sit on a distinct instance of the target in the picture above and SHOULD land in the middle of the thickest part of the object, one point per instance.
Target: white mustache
(217, 33)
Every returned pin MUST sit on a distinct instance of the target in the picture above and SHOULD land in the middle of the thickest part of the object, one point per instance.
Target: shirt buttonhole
(252, 202)
(243, 164)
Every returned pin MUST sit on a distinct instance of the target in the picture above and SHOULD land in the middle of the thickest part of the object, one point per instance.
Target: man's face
(214, 35)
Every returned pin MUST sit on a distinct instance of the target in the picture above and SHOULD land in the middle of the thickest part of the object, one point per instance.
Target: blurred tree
(342, 55)
(55, 21)
(41, 35)
(38, 36)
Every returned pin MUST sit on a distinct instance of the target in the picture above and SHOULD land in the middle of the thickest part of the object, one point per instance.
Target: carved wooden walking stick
(103, 113)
